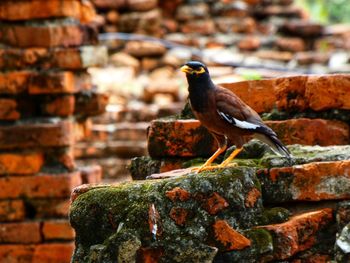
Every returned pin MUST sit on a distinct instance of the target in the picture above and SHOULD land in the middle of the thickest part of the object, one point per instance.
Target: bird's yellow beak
(186, 69)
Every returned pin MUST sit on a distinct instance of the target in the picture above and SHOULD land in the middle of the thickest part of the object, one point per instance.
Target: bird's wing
(235, 112)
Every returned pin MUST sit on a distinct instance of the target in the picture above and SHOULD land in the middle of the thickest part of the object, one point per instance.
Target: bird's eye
(201, 70)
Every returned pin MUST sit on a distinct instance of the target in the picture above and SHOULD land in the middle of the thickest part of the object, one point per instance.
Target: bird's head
(195, 68)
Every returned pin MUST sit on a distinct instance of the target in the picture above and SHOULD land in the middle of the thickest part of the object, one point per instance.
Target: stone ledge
(63, 58)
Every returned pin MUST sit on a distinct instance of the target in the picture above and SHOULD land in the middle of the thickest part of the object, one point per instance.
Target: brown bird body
(225, 115)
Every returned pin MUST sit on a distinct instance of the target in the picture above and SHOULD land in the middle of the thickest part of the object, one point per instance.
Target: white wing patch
(240, 124)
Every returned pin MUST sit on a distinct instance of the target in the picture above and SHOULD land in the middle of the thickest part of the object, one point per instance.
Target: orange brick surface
(53, 35)
(20, 233)
(12, 210)
(21, 163)
(64, 58)
(36, 134)
(259, 95)
(27, 10)
(39, 186)
(57, 230)
(298, 234)
(8, 109)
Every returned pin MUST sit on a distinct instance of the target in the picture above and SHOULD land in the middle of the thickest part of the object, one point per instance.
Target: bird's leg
(207, 164)
(231, 157)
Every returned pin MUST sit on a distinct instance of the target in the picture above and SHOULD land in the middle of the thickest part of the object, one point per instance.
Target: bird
(225, 116)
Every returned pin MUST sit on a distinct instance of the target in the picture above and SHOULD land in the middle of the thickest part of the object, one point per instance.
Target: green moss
(275, 215)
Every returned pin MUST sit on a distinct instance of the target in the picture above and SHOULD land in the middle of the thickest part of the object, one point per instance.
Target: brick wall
(46, 95)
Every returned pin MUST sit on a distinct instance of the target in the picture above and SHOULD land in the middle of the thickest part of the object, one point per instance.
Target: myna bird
(225, 115)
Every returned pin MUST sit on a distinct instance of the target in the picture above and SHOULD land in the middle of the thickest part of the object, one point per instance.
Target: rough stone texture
(151, 200)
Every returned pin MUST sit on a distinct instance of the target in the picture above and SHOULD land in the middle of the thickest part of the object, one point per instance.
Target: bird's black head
(195, 68)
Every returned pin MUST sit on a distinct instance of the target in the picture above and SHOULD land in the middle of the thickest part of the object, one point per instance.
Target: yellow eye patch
(200, 71)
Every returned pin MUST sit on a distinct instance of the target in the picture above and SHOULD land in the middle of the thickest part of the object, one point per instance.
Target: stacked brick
(46, 47)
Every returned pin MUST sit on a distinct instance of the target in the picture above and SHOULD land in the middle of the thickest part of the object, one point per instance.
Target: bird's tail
(276, 145)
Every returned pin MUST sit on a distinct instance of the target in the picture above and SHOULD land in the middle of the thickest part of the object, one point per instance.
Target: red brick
(91, 104)
(203, 27)
(62, 106)
(215, 203)
(20, 233)
(8, 110)
(258, 94)
(17, 253)
(178, 194)
(91, 174)
(252, 197)
(249, 43)
(181, 138)
(50, 35)
(63, 58)
(47, 208)
(328, 92)
(53, 252)
(12, 210)
(36, 134)
(21, 163)
(316, 181)
(39, 186)
(179, 215)
(229, 238)
(311, 131)
(16, 82)
(299, 233)
(27, 10)
(149, 255)
(57, 230)
(290, 44)
(41, 253)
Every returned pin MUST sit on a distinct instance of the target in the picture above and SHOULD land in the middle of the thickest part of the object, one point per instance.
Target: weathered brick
(298, 233)
(9, 110)
(90, 104)
(229, 238)
(215, 203)
(178, 194)
(27, 135)
(21, 163)
(47, 208)
(43, 253)
(27, 10)
(20, 233)
(179, 215)
(39, 186)
(57, 230)
(16, 82)
(252, 197)
(50, 34)
(53, 252)
(311, 131)
(308, 182)
(62, 106)
(142, 49)
(63, 58)
(182, 138)
(12, 210)
(258, 94)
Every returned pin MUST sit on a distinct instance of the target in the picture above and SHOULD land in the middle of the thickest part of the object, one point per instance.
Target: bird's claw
(226, 165)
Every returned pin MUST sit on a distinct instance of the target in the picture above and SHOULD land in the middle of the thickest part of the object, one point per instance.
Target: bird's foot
(205, 168)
